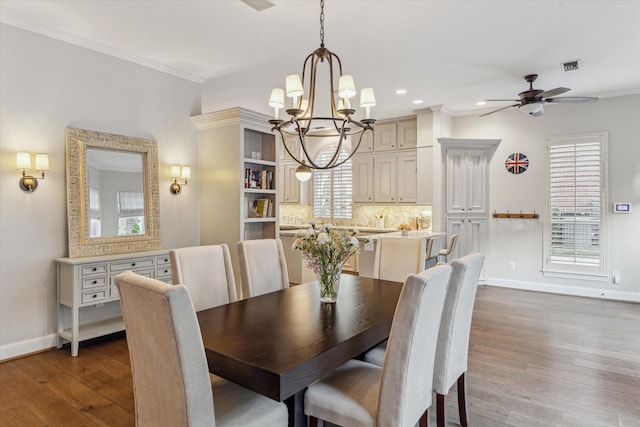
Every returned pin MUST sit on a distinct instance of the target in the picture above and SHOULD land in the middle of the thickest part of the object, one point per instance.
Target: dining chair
(398, 393)
(263, 267)
(444, 253)
(453, 340)
(171, 381)
(207, 272)
(397, 257)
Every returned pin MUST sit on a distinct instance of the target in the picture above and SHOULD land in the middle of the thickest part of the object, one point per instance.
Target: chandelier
(308, 125)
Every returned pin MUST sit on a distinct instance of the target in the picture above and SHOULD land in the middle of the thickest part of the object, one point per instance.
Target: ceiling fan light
(531, 107)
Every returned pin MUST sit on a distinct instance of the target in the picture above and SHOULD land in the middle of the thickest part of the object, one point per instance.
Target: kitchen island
(367, 253)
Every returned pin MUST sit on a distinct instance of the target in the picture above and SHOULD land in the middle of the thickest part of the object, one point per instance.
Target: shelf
(259, 191)
(95, 329)
(268, 219)
(259, 162)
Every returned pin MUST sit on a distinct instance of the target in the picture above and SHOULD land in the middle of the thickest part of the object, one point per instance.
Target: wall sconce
(177, 172)
(23, 163)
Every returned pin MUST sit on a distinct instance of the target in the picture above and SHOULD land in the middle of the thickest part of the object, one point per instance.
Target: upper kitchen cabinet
(397, 134)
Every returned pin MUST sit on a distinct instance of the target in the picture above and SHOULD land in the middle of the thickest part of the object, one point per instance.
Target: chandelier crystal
(307, 123)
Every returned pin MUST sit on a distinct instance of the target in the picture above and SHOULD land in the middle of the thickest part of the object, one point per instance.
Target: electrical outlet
(512, 266)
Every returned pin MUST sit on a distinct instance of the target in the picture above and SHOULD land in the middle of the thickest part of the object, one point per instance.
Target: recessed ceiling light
(479, 103)
(401, 91)
(417, 101)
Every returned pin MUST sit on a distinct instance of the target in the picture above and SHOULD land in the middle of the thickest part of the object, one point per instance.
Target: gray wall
(45, 86)
(520, 241)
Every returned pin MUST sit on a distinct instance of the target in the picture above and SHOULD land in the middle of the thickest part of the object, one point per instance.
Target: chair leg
(313, 421)
(462, 400)
(441, 410)
(424, 419)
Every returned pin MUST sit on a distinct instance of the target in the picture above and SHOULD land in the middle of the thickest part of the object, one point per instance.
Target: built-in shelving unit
(239, 192)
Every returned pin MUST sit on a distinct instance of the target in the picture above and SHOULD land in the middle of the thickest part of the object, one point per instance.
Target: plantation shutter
(332, 188)
(575, 195)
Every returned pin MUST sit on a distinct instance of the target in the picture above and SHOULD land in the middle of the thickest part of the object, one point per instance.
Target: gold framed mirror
(112, 193)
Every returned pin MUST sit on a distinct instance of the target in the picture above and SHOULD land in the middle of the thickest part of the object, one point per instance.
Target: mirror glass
(112, 193)
(116, 193)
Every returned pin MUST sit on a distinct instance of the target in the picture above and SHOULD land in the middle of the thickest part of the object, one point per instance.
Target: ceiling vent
(571, 65)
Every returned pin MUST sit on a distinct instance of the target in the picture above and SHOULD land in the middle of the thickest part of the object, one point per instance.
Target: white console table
(85, 284)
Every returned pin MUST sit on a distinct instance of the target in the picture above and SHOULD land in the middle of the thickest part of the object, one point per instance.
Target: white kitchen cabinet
(407, 177)
(395, 177)
(386, 178)
(466, 181)
(291, 184)
(385, 136)
(407, 134)
(86, 285)
(363, 174)
(471, 233)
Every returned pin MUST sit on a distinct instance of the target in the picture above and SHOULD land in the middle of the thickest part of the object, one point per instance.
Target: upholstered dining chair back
(207, 272)
(263, 267)
(397, 257)
(170, 374)
(453, 339)
(408, 366)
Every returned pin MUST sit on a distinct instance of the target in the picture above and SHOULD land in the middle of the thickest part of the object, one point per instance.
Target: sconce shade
(42, 162)
(276, 100)
(175, 171)
(186, 172)
(23, 161)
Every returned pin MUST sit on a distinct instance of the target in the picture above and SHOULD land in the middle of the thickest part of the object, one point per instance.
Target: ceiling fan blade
(503, 100)
(553, 92)
(572, 100)
(499, 109)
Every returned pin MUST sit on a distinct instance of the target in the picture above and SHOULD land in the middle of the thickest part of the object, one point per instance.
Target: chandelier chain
(322, 23)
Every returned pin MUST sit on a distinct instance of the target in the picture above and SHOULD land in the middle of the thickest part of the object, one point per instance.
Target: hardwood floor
(535, 360)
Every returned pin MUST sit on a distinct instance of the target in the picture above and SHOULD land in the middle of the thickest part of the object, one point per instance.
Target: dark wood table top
(279, 343)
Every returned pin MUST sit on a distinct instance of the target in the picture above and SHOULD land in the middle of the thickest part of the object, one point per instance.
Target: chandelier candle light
(306, 125)
(326, 249)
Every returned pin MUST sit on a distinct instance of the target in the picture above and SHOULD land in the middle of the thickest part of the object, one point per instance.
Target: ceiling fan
(532, 101)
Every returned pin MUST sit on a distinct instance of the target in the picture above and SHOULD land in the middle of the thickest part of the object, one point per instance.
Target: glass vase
(329, 281)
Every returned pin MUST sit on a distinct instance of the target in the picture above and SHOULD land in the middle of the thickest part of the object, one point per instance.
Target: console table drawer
(95, 296)
(132, 265)
(94, 269)
(92, 282)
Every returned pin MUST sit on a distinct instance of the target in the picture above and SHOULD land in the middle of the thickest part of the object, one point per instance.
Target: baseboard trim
(23, 348)
(564, 290)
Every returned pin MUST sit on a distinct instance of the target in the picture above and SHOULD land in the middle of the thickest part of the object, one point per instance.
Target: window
(332, 188)
(575, 221)
(130, 213)
(95, 220)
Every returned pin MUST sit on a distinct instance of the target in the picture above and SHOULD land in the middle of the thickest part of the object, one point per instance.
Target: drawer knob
(95, 268)
(133, 264)
(95, 281)
(95, 296)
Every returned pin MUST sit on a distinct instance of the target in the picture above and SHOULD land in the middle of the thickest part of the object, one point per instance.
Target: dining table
(278, 343)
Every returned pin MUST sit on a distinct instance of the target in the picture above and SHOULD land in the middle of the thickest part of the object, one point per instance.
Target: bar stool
(450, 245)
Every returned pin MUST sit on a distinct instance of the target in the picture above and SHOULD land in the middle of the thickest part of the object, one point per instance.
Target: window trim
(571, 270)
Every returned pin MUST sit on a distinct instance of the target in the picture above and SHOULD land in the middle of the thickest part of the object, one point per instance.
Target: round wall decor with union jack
(517, 163)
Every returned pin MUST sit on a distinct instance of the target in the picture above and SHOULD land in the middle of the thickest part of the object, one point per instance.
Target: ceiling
(449, 53)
